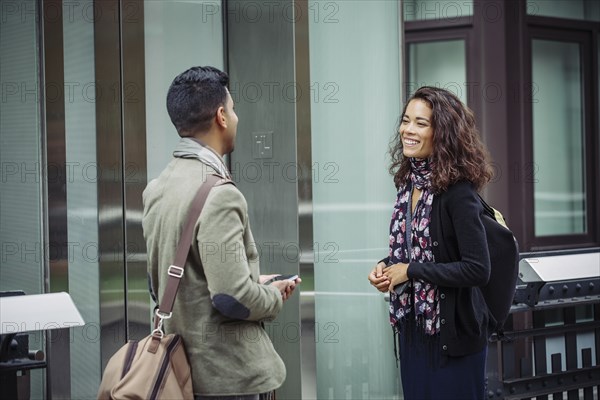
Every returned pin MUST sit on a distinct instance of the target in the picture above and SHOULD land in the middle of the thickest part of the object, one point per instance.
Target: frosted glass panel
(20, 154)
(440, 64)
(82, 200)
(352, 121)
(21, 234)
(436, 9)
(558, 170)
(572, 9)
(177, 35)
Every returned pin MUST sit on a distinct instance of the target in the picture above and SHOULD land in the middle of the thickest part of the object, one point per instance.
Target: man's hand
(265, 278)
(379, 279)
(286, 287)
(397, 274)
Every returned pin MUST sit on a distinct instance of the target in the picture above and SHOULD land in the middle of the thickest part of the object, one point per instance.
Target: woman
(438, 253)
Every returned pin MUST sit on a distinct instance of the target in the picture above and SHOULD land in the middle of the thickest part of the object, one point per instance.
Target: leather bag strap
(175, 271)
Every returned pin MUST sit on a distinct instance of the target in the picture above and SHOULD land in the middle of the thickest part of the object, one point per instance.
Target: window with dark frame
(533, 84)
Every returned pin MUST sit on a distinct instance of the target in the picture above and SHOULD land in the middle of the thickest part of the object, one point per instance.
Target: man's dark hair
(194, 97)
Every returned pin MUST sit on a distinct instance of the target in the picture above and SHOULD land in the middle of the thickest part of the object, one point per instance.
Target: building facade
(319, 86)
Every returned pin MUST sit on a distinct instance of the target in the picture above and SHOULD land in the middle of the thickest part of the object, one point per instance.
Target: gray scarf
(192, 148)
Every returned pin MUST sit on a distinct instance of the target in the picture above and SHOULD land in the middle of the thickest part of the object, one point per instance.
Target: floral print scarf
(416, 297)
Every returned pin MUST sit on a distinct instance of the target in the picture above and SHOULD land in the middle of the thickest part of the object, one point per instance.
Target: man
(222, 299)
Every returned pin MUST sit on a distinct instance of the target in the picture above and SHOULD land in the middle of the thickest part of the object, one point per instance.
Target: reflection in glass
(571, 9)
(441, 64)
(585, 340)
(558, 153)
(82, 199)
(415, 10)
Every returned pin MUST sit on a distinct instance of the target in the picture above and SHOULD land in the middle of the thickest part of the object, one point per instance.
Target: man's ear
(221, 119)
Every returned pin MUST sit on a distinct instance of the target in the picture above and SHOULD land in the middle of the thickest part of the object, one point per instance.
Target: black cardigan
(462, 264)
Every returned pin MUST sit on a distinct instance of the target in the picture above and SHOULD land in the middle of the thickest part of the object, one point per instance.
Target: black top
(462, 264)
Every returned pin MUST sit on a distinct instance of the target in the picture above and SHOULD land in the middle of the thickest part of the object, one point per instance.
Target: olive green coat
(220, 304)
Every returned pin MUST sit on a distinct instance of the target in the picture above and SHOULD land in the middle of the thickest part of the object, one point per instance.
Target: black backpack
(504, 260)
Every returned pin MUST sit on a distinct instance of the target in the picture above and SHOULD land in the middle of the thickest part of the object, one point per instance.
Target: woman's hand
(397, 274)
(379, 279)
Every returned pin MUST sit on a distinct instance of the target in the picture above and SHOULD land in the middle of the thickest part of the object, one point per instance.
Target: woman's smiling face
(416, 131)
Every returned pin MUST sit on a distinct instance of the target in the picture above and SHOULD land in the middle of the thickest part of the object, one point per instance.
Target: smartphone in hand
(282, 278)
(286, 278)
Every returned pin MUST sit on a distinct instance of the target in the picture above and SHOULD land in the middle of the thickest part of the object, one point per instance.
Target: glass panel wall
(558, 139)
(82, 196)
(177, 35)
(21, 164)
(572, 9)
(354, 111)
(440, 64)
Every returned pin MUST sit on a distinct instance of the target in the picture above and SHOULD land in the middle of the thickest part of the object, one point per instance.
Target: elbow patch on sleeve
(230, 307)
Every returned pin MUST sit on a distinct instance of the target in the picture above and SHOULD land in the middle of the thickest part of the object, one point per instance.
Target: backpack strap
(492, 212)
(175, 271)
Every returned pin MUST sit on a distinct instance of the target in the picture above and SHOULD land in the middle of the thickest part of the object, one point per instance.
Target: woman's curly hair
(458, 153)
